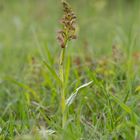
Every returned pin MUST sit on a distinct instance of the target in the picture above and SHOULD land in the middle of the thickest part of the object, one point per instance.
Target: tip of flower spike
(68, 22)
(66, 6)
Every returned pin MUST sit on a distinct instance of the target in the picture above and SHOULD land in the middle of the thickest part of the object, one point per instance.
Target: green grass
(107, 109)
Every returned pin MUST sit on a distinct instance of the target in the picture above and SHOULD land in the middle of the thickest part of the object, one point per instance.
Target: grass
(105, 52)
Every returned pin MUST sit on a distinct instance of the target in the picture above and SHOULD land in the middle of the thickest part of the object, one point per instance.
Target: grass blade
(54, 74)
(122, 105)
(26, 87)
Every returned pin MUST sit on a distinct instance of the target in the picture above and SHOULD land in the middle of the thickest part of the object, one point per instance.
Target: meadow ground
(106, 52)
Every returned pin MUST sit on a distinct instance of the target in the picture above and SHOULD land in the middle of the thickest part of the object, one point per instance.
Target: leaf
(26, 87)
(123, 106)
(72, 97)
(83, 86)
(49, 56)
(52, 71)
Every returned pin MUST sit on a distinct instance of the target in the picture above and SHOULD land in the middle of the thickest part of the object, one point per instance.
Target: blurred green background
(25, 23)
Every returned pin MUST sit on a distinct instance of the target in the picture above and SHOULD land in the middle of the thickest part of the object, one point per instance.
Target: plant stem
(62, 90)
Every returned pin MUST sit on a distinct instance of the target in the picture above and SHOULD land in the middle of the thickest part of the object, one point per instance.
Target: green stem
(62, 90)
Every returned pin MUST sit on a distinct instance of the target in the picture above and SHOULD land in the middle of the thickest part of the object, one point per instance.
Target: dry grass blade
(73, 95)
